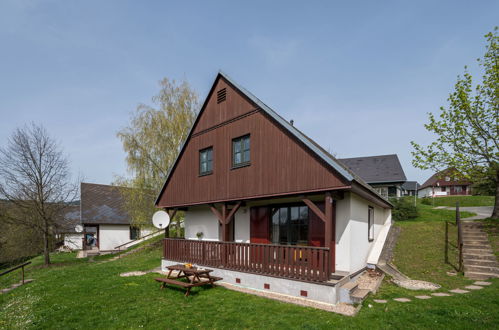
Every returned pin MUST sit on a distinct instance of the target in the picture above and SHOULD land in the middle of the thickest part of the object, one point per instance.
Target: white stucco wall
(426, 192)
(111, 236)
(360, 246)
(352, 240)
(73, 241)
(201, 219)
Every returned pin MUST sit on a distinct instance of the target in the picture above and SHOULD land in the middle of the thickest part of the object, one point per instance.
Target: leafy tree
(468, 130)
(152, 141)
(35, 184)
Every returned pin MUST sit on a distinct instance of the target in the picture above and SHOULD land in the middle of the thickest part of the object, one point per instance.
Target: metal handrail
(17, 267)
(459, 237)
(119, 246)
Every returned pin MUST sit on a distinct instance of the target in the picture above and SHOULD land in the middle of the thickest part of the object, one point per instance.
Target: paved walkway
(482, 212)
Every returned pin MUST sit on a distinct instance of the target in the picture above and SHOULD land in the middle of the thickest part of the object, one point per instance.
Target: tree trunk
(46, 251)
(495, 213)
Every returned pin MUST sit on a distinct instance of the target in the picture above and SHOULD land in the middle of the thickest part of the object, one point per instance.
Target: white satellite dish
(160, 219)
(79, 228)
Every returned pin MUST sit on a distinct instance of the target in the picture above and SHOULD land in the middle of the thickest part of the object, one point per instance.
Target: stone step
(476, 246)
(479, 276)
(475, 241)
(481, 256)
(477, 251)
(481, 262)
(350, 286)
(483, 269)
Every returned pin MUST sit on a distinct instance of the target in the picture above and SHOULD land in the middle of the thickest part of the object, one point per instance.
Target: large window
(370, 224)
(206, 161)
(290, 225)
(241, 151)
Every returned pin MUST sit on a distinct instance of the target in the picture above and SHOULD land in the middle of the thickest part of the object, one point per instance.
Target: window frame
(370, 223)
(241, 139)
(208, 161)
(290, 225)
(135, 230)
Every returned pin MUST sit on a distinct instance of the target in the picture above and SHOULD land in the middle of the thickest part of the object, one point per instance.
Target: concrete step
(478, 256)
(350, 286)
(475, 241)
(482, 269)
(479, 276)
(358, 295)
(480, 262)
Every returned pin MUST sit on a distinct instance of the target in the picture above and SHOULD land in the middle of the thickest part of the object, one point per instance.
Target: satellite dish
(160, 219)
(79, 228)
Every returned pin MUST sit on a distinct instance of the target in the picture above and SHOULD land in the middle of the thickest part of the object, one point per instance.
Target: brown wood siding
(215, 113)
(279, 163)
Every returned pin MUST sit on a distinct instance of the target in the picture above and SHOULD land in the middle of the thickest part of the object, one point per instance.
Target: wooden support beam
(217, 213)
(311, 205)
(232, 212)
(171, 213)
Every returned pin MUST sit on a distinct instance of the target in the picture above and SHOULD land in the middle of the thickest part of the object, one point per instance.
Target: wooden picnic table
(196, 277)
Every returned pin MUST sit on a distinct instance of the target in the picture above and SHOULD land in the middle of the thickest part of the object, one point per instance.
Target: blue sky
(357, 76)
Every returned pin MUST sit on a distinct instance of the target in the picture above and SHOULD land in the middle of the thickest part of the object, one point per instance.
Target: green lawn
(78, 294)
(428, 213)
(464, 201)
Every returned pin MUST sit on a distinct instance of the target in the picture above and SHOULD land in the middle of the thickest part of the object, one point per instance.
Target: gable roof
(102, 204)
(376, 169)
(337, 166)
(439, 179)
(411, 185)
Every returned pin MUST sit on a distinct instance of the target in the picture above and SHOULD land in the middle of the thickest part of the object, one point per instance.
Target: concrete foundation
(326, 293)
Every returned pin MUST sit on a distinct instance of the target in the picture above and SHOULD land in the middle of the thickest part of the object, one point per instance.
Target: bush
(403, 209)
(426, 201)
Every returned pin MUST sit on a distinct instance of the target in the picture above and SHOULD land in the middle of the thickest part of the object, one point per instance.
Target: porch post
(225, 228)
(330, 225)
(171, 213)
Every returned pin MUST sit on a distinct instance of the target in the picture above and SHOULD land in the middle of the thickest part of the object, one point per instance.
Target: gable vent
(221, 95)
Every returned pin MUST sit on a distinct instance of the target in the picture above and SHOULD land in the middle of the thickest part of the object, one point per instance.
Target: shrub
(403, 209)
(426, 201)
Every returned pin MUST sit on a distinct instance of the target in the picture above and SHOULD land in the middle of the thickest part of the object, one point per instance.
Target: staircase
(478, 258)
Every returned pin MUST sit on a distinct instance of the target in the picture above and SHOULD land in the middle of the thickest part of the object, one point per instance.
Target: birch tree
(467, 131)
(152, 141)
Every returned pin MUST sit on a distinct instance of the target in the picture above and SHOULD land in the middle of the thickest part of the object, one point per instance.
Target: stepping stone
(458, 291)
(423, 297)
(402, 300)
(473, 287)
(441, 294)
(482, 283)
(380, 301)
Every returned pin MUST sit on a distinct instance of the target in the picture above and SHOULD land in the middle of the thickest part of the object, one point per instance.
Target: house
(66, 232)
(410, 188)
(265, 206)
(105, 222)
(384, 173)
(448, 182)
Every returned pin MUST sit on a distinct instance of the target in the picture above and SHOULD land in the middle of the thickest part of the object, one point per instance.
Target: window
(458, 189)
(443, 188)
(289, 225)
(134, 233)
(447, 178)
(383, 191)
(206, 161)
(370, 224)
(241, 151)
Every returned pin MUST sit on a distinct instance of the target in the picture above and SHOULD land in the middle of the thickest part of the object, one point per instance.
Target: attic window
(221, 95)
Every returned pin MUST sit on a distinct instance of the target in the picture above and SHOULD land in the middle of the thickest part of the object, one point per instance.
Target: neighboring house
(384, 173)
(265, 206)
(410, 188)
(106, 224)
(448, 182)
(66, 232)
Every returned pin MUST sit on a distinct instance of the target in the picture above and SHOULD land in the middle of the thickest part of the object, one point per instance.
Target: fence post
(446, 253)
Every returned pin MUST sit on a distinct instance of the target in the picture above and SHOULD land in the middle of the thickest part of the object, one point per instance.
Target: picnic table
(196, 277)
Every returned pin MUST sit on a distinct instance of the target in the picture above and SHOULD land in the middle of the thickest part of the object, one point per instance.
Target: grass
(428, 213)
(464, 201)
(79, 294)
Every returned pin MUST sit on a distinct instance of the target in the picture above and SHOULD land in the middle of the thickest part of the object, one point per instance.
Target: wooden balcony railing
(295, 262)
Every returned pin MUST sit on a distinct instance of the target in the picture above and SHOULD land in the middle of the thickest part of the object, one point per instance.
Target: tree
(468, 130)
(35, 182)
(152, 141)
